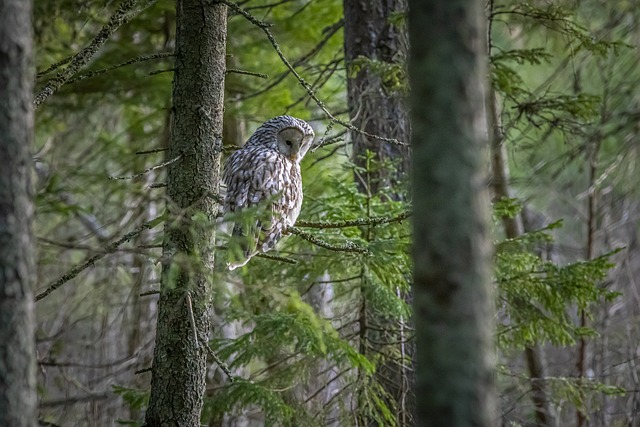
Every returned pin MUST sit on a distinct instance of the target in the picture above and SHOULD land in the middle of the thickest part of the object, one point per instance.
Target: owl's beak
(294, 157)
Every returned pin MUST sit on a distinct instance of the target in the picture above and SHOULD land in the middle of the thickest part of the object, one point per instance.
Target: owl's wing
(257, 181)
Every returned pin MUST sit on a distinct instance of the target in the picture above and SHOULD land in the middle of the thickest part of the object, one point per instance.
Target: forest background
(322, 335)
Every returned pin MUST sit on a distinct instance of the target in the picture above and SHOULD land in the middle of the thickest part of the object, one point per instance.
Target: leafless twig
(52, 286)
(161, 165)
(265, 28)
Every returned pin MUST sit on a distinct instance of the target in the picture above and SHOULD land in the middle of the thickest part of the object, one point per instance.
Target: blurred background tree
(564, 78)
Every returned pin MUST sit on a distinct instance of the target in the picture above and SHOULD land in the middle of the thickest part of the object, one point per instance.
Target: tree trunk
(452, 290)
(18, 401)
(375, 106)
(379, 108)
(179, 364)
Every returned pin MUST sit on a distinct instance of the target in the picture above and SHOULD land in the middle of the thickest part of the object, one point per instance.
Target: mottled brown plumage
(265, 173)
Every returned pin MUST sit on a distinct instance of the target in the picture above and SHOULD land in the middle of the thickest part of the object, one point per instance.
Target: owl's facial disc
(289, 143)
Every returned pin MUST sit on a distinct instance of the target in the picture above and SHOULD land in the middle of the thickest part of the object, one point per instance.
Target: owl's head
(289, 136)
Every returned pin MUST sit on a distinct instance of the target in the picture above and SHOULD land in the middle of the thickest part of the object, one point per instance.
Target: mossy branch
(354, 222)
(76, 62)
(349, 246)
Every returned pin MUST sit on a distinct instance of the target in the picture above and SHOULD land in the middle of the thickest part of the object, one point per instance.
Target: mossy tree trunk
(179, 364)
(452, 290)
(17, 267)
(374, 46)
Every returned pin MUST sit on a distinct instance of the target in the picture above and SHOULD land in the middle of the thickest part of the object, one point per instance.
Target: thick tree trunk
(179, 364)
(374, 105)
(452, 289)
(378, 108)
(17, 267)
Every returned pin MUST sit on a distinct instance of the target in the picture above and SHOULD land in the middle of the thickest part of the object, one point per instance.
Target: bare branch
(192, 321)
(265, 28)
(248, 73)
(52, 286)
(217, 359)
(80, 59)
(124, 64)
(161, 165)
(155, 150)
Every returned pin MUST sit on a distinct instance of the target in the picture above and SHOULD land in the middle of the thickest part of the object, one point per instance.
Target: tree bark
(179, 364)
(375, 106)
(18, 400)
(452, 289)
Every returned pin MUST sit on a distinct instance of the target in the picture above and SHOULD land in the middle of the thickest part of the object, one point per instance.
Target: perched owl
(265, 173)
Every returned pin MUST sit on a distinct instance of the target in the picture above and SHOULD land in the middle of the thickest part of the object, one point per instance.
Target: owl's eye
(288, 142)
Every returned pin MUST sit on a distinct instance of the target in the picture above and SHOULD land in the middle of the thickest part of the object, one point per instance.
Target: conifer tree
(179, 363)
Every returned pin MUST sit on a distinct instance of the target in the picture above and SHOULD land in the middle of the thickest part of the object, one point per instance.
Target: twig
(329, 33)
(346, 247)
(124, 64)
(166, 70)
(192, 320)
(218, 361)
(248, 73)
(278, 258)
(161, 165)
(265, 28)
(54, 66)
(155, 150)
(354, 222)
(333, 151)
(52, 286)
(80, 59)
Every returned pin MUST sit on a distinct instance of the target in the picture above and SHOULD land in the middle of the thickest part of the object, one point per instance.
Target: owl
(265, 175)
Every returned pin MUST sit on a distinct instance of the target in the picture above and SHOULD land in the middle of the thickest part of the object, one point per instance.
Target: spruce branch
(120, 17)
(354, 222)
(349, 246)
(52, 286)
(265, 28)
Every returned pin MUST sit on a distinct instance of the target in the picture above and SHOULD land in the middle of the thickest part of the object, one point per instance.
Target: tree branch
(80, 59)
(349, 246)
(161, 165)
(124, 64)
(265, 28)
(354, 222)
(52, 286)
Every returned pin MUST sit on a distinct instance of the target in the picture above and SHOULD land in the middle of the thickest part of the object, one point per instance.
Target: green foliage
(534, 295)
(567, 80)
